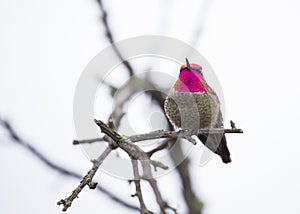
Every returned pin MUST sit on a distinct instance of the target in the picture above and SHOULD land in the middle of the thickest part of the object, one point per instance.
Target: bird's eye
(199, 71)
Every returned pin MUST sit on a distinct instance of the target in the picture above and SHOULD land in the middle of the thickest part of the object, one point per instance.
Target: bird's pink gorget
(191, 81)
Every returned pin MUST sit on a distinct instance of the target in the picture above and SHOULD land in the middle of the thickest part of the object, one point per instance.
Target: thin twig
(88, 141)
(162, 204)
(138, 190)
(158, 164)
(19, 140)
(163, 145)
(109, 36)
(87, 180)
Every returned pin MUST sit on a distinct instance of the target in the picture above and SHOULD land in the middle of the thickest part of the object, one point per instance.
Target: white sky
(253, 46)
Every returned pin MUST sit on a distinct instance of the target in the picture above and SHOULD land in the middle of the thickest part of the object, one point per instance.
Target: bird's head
(191, 79)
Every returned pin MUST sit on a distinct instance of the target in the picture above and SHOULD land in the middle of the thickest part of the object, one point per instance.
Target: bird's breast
(192, 110)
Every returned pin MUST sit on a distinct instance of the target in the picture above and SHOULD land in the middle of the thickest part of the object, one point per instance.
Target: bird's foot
(188, 133)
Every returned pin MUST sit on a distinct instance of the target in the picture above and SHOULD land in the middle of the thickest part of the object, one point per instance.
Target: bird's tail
(218, 144)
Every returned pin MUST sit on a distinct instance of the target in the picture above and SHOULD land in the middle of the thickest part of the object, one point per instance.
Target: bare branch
(88, 141)
(87, 180)
(109, 36)
(158, 164)
(169, 134)
(133, 86)
(19, 140)
(180, 134)
(138, 191)
(162, 204)
(136, 153)
(194, 204)
(165, 144)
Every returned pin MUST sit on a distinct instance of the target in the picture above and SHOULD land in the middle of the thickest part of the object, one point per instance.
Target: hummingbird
(192, 104)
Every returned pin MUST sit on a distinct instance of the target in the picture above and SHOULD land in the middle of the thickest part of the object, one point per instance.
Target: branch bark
(167, 134)
(56, 167)
(136, 153)
(138, 190)
(87, 180)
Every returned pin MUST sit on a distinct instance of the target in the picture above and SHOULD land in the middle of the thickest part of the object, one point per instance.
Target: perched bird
(192, 104)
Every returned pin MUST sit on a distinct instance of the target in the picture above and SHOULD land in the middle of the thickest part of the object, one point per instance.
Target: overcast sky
(253, 47)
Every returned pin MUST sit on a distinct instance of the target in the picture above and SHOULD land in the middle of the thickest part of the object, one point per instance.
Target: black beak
(188, 64)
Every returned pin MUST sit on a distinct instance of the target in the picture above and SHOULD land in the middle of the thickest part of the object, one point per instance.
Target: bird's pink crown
(190, 81)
